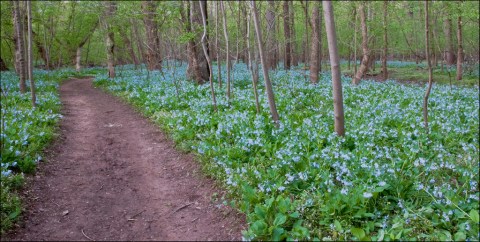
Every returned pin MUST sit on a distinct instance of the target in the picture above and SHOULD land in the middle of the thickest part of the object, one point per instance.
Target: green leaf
(459, 236)
(294, 215)
(260, 211)
(357, 232)
(381, 235)
(338, 226)
(277, 234)
(474, 215)
(280, 219)
(259, 227)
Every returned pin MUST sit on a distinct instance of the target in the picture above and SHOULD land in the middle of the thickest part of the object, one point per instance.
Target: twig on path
(182, 207)
(87, 236)
(194, 220)
(132, 217)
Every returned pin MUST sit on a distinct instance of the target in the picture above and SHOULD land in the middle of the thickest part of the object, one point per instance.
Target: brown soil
(112, 175)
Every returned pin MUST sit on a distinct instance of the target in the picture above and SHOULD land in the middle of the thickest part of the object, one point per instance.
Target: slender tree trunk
(205, 51)
(20, 64)
(430, 74)
(224, 16)
(355, 40)
(335, 68)
(449, 53)
(78, 58)
(293, 52)
(141, 51)
(154, 61)
(253, 66)
(286, 28)
(268, 84)
(219, 64)
(305, 42)
(320, 42)
(271, 42)
(30, 54)
(366, 54)
(198, 68)
(460, 49)
(109, 38)
(385, 42)
(130, 50)
(314, 49)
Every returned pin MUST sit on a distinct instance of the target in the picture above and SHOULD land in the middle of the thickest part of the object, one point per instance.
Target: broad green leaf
(259, 227)
(338, 226)
(260, 211)
(357, 232)
(459, 236)
(277, 234)
(280, 219)
(474, 215)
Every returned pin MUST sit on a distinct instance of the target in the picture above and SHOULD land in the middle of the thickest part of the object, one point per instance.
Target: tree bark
(460, 49)
(109, 40)
(430, 74)
(252, 66)
(154, 61)
(271, 41)
(293, 52)
(225, 33)
(314, 50)
(286, 28)
(449, 52)
(205, 51)
(335, 68)
(219, 64)
(30, 54)
(366, 54)
(130, 50)
(138, 40)
(78, 59)
(268, 84)
(385, 42)
(197, 69)
(20, 65)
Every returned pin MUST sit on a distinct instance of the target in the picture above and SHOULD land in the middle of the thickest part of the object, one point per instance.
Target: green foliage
(386, 180)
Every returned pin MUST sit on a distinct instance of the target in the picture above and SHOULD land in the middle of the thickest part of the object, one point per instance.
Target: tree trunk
(78, 59)
(205, 51)
(30, 54)
(430, 74)
(449, 52)
(141, 51)
(271, 41)
(268, 84)
(335, 68)
(20, 65)
(253, 67)
(224, 16)
(286, 28)
(197, 69)
(460, 49)
(314, 49)
(109, 40)
(320, 43)
(366, 54)
(219, 64)
(293, 54)
(385, 41)
(130, 50)
(154, 61)
(355, 40)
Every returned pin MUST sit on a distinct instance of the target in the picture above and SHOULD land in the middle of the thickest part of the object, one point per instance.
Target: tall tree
(30, 54)
(449, 52)
(109, 37)
(20, 64)
(154, 60)
(268, 84)
(219, 65)
(315, 47)
(271, 42)
(385, 41)
(335, 68)
(253, 65)
(430, 74)
(197, 68)
(366, 54)
(293, 45)
(205, 51)
(460, 49)
(225, 33)
(286, 28)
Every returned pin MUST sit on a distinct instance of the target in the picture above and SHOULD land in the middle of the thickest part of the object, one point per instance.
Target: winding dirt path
(112, 175)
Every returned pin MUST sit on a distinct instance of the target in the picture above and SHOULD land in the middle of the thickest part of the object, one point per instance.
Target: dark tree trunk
(154, 61)
(3, 67)
(286, 28)
(197, 63)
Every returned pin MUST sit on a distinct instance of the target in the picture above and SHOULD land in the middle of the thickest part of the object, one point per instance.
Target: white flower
(367, 195)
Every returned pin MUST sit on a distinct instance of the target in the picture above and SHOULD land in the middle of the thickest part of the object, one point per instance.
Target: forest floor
(112, 175)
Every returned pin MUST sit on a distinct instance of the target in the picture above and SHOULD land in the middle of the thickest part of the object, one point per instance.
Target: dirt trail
(112, 175)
